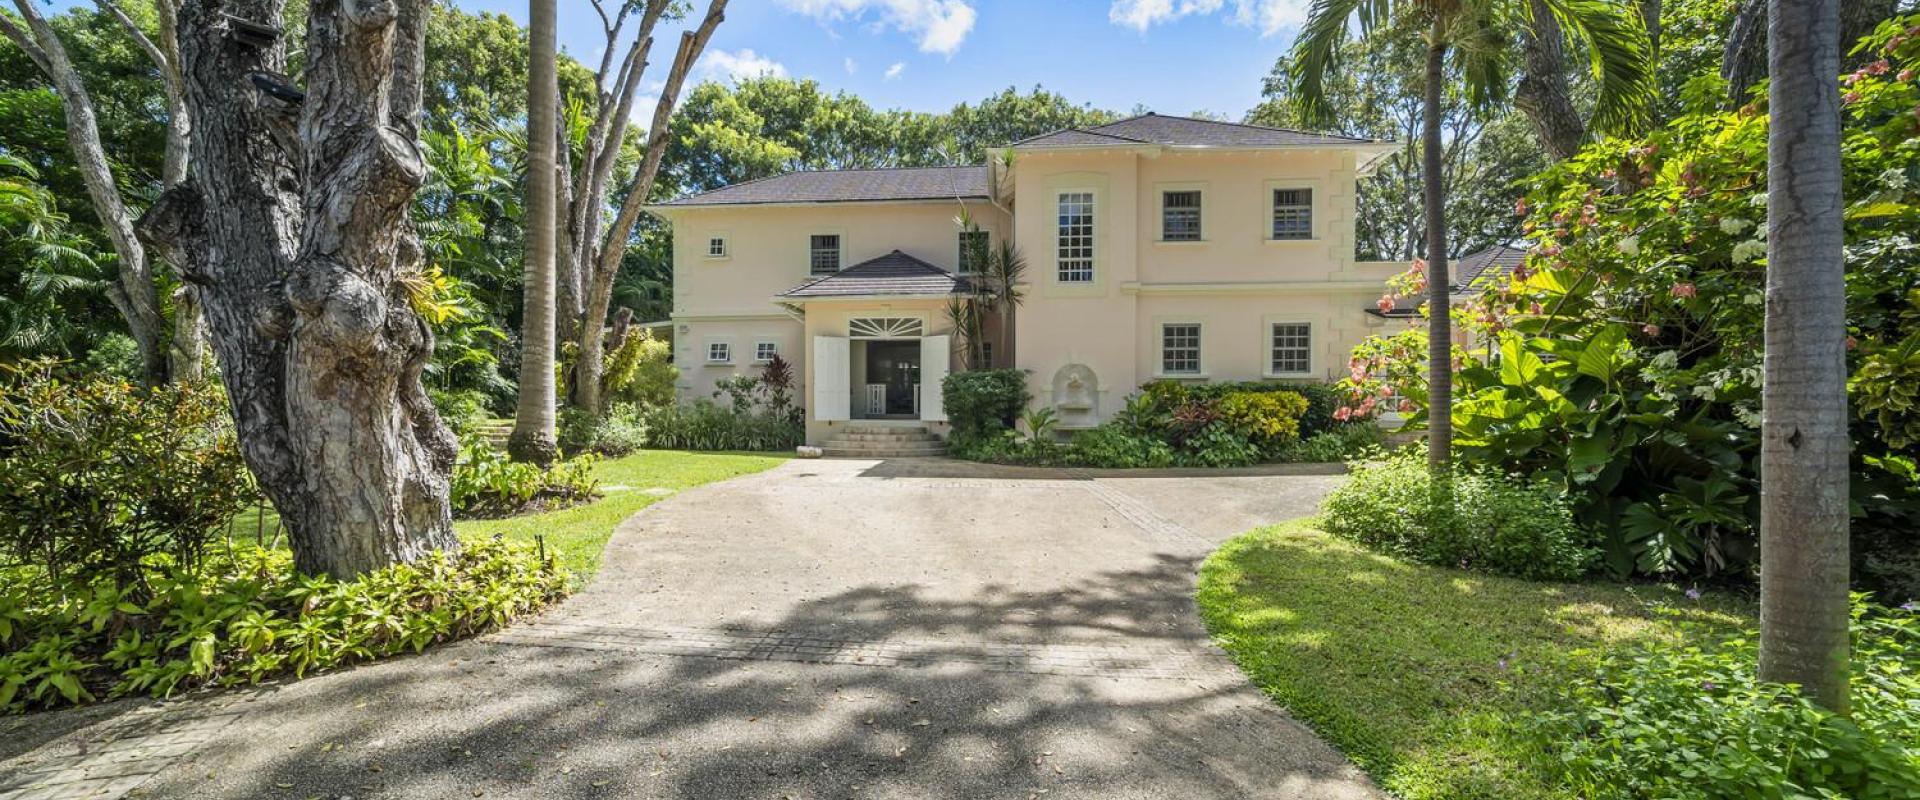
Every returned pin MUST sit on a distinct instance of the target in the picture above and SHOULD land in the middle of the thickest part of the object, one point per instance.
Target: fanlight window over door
(886, 328)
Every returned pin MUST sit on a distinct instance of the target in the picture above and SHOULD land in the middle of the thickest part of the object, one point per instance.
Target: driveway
(826, 629)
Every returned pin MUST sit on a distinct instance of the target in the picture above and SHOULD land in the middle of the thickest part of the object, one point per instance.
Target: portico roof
(895, 274)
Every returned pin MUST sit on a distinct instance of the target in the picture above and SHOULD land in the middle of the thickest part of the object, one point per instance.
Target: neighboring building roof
(849, 186)
(1151, 128)
(895, 273)
(1479, 270)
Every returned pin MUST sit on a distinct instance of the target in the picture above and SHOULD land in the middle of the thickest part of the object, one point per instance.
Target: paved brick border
(1149, 521)
(114, 758)
(1107, 661)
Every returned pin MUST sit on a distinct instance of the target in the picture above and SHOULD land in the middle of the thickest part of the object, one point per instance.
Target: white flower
(1758, 200)
(1704, 392)
(1894, 179)
(1749, 250)
(1666, 359)
(1630, 245)
(1733, 225)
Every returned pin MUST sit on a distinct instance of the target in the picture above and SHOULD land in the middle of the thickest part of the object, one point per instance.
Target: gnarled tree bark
(294, 219)
(1543, 93)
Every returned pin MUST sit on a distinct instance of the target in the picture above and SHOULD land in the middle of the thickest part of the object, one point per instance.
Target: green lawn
(1427, 678)
(578, 534)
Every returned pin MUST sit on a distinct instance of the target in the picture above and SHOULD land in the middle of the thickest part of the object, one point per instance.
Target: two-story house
(1156, 247)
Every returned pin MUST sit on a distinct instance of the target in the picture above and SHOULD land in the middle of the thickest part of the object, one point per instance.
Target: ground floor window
(719, 352)
(1290, 348)
(765, 351)
(1180, 348)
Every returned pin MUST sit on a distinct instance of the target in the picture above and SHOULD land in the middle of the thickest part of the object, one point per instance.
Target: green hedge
(984, 402)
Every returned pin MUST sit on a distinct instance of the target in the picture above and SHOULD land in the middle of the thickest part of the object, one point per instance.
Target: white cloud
(895, 70)
(738, 65)
(852, 66)
(940, 25)
(1267, 16)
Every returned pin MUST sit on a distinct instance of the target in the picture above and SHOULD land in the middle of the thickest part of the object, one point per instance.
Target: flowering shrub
(1500, 525)
(1622, 361)
(1672, 720)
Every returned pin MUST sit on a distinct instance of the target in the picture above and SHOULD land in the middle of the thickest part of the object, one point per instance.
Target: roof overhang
(869, 298)
(665, 210)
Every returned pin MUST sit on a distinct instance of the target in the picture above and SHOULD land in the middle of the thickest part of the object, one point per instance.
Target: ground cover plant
(485, 483)
(1552, 690)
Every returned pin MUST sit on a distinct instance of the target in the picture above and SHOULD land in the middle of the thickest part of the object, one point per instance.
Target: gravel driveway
(826, 629)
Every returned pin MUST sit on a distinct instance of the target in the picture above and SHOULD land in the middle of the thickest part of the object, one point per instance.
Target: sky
(1169, 56)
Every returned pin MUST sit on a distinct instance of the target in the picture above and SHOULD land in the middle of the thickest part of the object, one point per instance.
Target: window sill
(716, 258)
(1179, 242)
(719, 363)
(1288, 376)
(1273, 241)
(1182, 376)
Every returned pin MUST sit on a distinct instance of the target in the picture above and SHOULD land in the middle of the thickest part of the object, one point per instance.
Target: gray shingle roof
(1153, 128)
(1478, 270)
(895, 273)
(850, 186)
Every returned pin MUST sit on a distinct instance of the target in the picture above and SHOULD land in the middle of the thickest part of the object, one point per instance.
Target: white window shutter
(935, 353)
(832, 379)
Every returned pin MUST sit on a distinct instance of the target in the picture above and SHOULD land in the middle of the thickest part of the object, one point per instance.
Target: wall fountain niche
(1076, 396)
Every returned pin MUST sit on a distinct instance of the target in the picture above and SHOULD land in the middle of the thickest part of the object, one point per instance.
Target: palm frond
(1617, 45)
(1317, 52)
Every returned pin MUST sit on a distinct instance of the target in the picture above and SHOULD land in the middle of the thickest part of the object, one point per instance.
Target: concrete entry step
(838, 450)
(880, 429)
(886, 437)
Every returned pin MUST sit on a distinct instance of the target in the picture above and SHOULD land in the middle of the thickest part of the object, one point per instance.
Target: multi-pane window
(1290, 348)
(973, 251)
(1180, 348)
(1180, 216)
(1075, 255)
(824, 254)
(986, 355)
(719, 352)
(717, 247)
(765, 351)
(1293, 213)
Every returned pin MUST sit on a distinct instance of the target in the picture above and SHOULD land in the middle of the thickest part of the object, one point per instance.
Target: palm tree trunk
(1803, 429)
(533, 437)
(1439, 295)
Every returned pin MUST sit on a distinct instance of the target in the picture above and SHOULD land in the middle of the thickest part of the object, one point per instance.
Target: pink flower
(1521, 273)
(1852, 343)
(1406, 406)
(1419, 266)
(1651, 329)
(1850, 98)
(1343, 413)
(1684, 289)
(1520, 207)
(1536, 309)
(1877, 68)
(1906, 75)
(1385, 304)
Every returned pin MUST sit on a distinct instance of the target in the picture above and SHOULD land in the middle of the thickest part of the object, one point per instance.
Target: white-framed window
(1289, 348)
(716, 246)
(1180, 216)
(823, 255)
(1075, 237)
(986, 355)
(886, 327)
(1293, 213)
(719, 352)
(973, 251)
(1180, 348)
(764, 352)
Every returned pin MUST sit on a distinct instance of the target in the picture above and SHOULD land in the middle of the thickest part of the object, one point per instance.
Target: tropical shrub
(101, 476)
(703, 425)
(1623, 360)
(1685, 720)
(641, 370)
(244, 616)
(1499, 524)
(1267, 419)
(462, 409)
(1348, 442)
(487, 484)
(985, 401)
(1109, 446)
(622, 431)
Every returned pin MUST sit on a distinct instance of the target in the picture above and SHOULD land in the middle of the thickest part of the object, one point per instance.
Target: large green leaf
(1518, 365)
(1602, 356)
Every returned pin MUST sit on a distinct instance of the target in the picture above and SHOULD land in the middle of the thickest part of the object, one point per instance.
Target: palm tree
(1477, 36)
(1803, 427)
(533, 437)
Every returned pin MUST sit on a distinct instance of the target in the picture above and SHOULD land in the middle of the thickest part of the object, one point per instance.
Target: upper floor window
(986, 355)
(973, 251)
(1180, 216)
(1075, 254)
(1293, 213)
(1180, 348)
(765, 351)
(1290, 348)
(717, 247)
(824, 254)
(719, 352)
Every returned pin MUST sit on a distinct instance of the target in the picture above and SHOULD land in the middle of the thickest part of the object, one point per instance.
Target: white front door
(935, 352)
(832, 379)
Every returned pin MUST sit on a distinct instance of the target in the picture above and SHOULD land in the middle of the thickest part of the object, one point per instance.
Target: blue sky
(1172, 56)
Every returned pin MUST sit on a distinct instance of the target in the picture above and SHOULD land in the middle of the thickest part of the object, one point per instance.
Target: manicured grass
(1427, 678)
(578, 534)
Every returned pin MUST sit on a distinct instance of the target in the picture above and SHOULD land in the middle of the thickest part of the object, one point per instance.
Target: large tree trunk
(132, 292)
(1543, 93)
(590, 366)
(293, 223)
(1803, 428)
(1439, 295)
(533, 437)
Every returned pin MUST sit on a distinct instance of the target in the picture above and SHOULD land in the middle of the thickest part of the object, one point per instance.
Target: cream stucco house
(1156, 247)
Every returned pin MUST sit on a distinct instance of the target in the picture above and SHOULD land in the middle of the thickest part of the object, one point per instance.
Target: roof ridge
(1088, 131)
(1253, 125)
(777, 175)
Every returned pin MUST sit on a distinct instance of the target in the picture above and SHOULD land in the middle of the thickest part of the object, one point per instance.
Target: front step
(884, 441)
(857, 428)
(838, 450)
